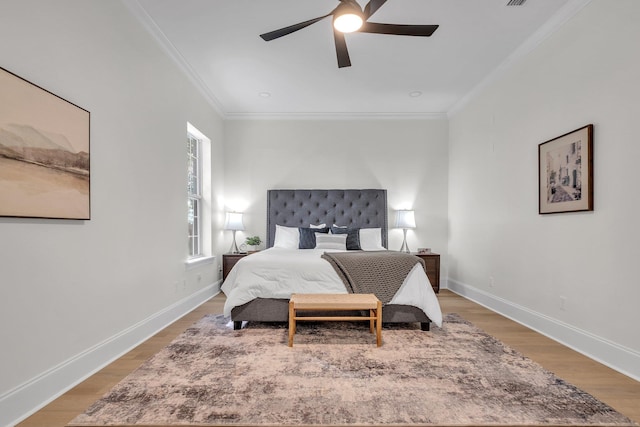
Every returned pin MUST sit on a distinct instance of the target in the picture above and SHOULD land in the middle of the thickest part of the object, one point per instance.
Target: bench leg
(425, 326)
(292, 323)
(237, 325)
(379, 324)
(372, 320)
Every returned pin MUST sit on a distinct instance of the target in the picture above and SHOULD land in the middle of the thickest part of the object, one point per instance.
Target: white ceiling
(217, 43)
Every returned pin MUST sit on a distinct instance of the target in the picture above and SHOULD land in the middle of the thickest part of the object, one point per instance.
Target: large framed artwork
(565, 168)
(44, 153)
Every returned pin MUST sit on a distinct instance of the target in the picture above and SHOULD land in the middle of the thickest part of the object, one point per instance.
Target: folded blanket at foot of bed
(381, 273)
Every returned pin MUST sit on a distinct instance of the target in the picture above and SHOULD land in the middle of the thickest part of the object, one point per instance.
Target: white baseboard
(24, 400)
(622, 359)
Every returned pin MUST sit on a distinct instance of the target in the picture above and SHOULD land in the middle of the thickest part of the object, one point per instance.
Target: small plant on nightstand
(254, 242)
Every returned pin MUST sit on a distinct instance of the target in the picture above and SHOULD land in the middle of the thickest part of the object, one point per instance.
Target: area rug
(334, 375)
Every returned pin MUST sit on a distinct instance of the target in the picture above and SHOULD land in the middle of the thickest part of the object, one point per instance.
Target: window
(199, 198)
(194, 192)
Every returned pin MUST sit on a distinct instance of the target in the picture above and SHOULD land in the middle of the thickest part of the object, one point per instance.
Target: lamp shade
(234, 221)
(405, 219)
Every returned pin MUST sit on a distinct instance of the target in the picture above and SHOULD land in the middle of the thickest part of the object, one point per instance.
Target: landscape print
(44, 153)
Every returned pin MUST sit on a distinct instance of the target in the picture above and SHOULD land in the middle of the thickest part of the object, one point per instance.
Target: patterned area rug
(335, 375)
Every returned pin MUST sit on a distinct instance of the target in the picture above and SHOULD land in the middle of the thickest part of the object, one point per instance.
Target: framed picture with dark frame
(565, 171)
(44, 153)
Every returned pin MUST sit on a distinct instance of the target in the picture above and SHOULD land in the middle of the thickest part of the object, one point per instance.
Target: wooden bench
(336, 302)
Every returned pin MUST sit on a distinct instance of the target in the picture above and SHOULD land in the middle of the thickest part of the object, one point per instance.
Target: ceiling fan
(349, 17)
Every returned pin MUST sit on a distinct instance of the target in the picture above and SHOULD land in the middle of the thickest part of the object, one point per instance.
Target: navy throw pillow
(353, 237)
(308, 236)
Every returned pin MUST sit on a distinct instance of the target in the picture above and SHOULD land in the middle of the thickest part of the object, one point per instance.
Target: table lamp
(234, 223)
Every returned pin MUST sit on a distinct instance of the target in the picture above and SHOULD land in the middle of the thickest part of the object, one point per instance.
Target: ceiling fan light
(348, 22)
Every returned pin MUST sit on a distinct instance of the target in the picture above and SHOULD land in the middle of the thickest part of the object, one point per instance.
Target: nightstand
(432, 268)
(228, 261)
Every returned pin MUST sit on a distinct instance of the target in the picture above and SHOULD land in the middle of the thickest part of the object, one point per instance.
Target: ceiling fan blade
(372, 7)
(398, 29)
(272, 35)
(341, 49)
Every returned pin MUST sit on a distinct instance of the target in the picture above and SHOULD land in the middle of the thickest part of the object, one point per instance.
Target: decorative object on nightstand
(253, 242)
(234, 223)
(431, 267)
(405, 219)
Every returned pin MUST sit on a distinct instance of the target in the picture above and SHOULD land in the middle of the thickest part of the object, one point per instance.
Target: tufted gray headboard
(353, 208)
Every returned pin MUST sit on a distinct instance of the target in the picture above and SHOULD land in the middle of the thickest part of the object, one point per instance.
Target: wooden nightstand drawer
(432, 268)
(228, 261)
(431, 263)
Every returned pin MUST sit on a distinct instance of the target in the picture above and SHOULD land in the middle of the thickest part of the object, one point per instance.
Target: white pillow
(371, 239)
(286, 237)
(331, 241)
(317, 226)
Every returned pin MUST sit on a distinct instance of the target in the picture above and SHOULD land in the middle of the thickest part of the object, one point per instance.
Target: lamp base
(234, 246)
(405, 247)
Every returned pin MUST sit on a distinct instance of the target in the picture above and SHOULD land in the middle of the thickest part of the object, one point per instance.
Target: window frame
(194, 233)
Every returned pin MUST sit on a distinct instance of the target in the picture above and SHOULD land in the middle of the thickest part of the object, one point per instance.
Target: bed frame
(300, 208)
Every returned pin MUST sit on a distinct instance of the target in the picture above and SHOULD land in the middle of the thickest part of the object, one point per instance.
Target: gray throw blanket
(380, 273)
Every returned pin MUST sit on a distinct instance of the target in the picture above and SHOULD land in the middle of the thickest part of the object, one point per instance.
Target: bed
(259, 286)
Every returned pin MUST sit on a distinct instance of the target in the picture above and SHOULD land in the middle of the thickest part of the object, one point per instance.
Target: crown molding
(568, 11)
(163, 41)
(336, 116)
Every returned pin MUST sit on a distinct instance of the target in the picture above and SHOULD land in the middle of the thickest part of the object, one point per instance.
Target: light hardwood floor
(617, 390)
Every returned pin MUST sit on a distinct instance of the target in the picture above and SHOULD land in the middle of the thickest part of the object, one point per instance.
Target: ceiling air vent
(516, 2)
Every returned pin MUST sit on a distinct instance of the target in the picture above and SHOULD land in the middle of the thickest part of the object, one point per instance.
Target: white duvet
(278, 273)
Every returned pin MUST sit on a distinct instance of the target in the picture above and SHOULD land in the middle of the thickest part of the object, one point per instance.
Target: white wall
(586, 72)
(408, 158)
(67, 286)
